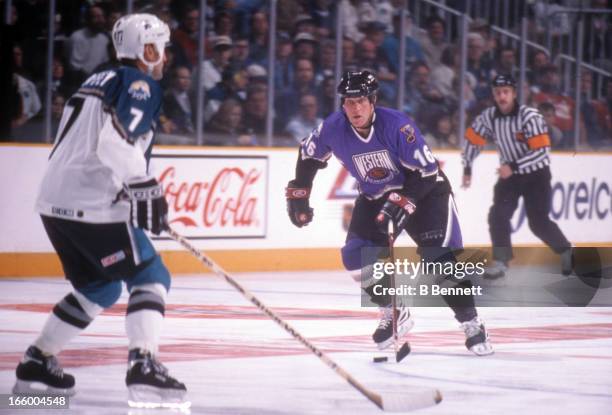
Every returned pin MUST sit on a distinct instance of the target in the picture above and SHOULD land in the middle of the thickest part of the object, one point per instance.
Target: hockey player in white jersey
(95, 200)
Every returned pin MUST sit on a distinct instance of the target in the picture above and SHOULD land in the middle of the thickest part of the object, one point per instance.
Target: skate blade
(146, 396)
(482, 349)
(33, 387)
(403, 329)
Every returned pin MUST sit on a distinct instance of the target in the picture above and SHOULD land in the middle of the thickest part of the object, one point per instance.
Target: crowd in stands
(234, 73)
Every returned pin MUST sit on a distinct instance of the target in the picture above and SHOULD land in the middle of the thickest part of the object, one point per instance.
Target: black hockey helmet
(357, 84)
(503, 80)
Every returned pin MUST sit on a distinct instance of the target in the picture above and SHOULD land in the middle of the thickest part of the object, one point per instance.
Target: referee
(521, 136)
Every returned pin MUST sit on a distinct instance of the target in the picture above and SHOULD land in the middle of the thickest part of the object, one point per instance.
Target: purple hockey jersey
(377, 162)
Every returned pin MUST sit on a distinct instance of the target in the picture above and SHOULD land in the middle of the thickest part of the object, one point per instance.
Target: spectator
(506, 62)
(482, 27)
(304, 23)
(88, 47)
(539, 60)
(233, 85)
(349, 62)
(550, 82)
(178, 104)
(226, 127)
(304, 45)
(374, 31)
(240, 54)
(57, 109)
(30, 102)
(424, 100)
(185, 38)
(548, 112)
(327, 59)
(301, 125)
(478, 65)
(442, 76)
(224, 24)
(327, 95)
(390, 47)
(441, 135)
(59, 83)
(595, 115)
(434, 41)
(322, 14)
(349, 15)
(213, 68)
(286, 103)
(256, 110)
(368, 58)
(259, 36)
(286, 12)
(283, 66)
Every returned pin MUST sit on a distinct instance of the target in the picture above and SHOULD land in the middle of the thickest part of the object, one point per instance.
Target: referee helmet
(503, 80)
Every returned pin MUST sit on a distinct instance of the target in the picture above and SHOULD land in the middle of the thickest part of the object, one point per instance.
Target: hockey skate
(39, 373)
(150, 386)
(476, 337)
(383, 335)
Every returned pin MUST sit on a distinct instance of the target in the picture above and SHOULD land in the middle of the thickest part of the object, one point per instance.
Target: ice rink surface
(234, 360)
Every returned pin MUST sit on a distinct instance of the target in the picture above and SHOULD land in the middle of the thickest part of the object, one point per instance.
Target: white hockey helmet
(132, 32)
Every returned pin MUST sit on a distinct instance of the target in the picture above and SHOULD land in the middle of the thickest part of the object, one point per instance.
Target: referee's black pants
(536, 191)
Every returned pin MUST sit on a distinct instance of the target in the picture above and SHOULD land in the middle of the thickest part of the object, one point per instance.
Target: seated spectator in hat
(178, 105)
(304, 45)
(260, 29)
(286, 12)
(433, 41)
(286, 102)
(213, 68)
(302, 124)
(548, 112)
(185, 38)
(550, 91)
(256, 110)
(88, 46)
(226, 126)
(391, 44)
(304, 23)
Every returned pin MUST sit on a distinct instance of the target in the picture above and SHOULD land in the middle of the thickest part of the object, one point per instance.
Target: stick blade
(402, 352)
(410, 402)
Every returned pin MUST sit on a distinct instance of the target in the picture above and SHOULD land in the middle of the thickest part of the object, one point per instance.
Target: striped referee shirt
(521, 137)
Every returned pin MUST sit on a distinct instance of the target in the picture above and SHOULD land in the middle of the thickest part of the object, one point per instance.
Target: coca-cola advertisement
(214, 196)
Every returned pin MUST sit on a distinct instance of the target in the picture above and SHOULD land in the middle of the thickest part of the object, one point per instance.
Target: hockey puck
(380, 359)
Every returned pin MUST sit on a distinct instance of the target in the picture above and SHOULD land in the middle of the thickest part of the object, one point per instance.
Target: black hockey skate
(476, 337)
(383, 336)
(39, 373)
(150, 386)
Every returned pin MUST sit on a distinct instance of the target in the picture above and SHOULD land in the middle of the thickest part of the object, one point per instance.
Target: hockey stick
(403, 351)
(390, 403)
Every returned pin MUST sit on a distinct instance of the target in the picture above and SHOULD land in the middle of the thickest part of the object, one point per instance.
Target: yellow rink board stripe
(255, 260)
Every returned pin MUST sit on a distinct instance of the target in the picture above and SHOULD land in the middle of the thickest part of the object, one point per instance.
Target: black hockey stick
(400, 352)
(392, 403)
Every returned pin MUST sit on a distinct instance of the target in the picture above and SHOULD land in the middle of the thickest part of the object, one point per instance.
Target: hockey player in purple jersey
(399, 181)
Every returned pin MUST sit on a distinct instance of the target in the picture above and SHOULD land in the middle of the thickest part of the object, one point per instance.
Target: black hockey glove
(397, 209)
(298, 206)
(149, 207)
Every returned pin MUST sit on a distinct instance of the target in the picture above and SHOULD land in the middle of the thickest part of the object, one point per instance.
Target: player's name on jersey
(426, 289)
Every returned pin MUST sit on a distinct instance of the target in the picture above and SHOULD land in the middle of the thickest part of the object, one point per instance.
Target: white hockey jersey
(104, 141)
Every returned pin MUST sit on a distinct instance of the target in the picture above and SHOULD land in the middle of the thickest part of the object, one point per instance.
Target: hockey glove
(298, 205)
(149, 207)
(397, 209)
